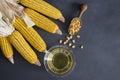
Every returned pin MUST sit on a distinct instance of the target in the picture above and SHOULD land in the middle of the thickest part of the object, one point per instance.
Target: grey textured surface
(100, 58)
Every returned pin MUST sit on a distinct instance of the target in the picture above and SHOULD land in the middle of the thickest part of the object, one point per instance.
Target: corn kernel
(70, 44)
(73, 41)
(60, 41)
(73, 46)
(65, 42)
(78, 36)
(67, 37)
(71, 37)
(81, 46)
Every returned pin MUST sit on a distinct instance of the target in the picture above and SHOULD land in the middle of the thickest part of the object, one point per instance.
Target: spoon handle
(83, 9)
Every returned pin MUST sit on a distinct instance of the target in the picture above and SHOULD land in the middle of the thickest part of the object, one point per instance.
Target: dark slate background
(100, 58)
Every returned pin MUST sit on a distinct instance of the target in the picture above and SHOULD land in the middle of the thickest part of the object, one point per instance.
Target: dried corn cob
(30, 34)
(17, 40)
(7, 49)
(44, 8)
(43, 22)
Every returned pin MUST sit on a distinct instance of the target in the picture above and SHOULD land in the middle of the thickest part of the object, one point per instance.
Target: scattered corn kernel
(67, 37)
(65, 42)
(73, 41)
(60, 41)
(73, 46)
(78, 36)
(71, 37)
(70, 44)
(81, 46)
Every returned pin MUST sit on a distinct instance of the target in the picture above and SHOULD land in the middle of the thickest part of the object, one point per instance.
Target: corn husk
(5, 29)
(10, 9)
(6, 11)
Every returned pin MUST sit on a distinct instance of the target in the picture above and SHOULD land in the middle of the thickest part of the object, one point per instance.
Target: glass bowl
(59, 61)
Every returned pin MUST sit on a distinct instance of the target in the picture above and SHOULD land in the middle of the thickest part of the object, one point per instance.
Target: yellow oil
(60, 60)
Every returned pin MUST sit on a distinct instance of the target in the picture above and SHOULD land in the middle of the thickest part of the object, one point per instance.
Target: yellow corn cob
(17, 40)
(43, 22)
(35, 0)
(30, 34)
(38, 0)
(44, 8)
(7, 49)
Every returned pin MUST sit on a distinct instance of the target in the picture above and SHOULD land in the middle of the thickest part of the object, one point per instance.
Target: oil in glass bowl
(59, 61)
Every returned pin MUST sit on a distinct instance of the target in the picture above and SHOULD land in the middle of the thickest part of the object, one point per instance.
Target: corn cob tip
(58, 31)
(46, 51)
(11, 59)
(37, 63)
(62, 19)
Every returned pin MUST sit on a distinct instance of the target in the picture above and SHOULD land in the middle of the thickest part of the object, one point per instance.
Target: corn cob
(17, 40)
(7, 49)
(44, 8)
(18, 1)
(43, 22)
(30, 34)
